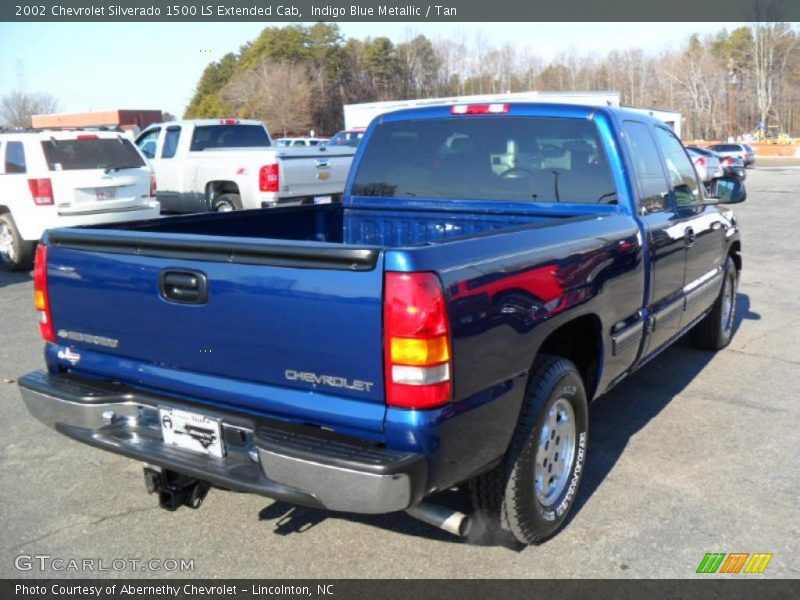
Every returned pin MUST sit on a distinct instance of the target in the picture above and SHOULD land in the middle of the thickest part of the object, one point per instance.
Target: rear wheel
(227, 203)
(16, 254)
(531, 493)
(715, 331)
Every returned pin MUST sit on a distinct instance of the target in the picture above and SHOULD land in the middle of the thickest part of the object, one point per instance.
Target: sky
(97, 66)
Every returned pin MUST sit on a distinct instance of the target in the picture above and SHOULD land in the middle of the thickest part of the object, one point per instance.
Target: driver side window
(147, 142)
(680, 169)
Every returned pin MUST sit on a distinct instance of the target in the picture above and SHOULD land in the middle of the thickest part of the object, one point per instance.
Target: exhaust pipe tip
(446, 519)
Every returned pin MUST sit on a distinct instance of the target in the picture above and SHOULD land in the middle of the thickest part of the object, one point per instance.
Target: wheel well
(3, 209)
(735, 254)
(217, 188)
(580, 341)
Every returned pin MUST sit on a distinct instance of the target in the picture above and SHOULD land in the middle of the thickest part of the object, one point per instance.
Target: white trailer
(358, 116)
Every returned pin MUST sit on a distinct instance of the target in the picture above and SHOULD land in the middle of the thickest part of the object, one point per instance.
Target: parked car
(300, 141)
(63, 178)
(732, 166)
(231, 164)
(743, 151)
(708, 166)
(448, 323)
(347, 137)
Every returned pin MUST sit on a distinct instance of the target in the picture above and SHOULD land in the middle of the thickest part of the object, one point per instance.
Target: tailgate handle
(184, 287)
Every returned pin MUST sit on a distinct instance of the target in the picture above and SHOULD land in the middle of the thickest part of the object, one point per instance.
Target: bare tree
(773, 44)
(277, 92)
(16, 108)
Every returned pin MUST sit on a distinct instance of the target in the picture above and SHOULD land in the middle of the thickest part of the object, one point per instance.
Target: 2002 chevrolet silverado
(491, 270)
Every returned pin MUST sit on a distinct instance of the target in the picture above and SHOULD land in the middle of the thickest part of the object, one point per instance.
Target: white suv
(63, 178)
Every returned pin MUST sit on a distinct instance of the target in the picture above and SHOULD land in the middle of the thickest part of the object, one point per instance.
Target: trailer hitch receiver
(174, 489)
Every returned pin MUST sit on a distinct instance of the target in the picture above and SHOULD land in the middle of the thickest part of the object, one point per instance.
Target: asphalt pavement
(698, 452)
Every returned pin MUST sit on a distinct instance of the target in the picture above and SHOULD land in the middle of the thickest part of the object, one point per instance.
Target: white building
(359, 115)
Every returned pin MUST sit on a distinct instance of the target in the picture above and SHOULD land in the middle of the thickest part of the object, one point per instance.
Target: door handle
(183, 287)
(691, 237)
(322, 163)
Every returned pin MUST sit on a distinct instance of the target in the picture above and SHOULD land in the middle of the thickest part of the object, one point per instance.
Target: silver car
(742, 151)
(708, 167)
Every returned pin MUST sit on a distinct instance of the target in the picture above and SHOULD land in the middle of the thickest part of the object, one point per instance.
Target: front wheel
(531, 493)
(715, 331)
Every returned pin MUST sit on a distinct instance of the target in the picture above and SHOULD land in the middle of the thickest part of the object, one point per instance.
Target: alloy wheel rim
(727, 305)
(7, 251)
(555, 452)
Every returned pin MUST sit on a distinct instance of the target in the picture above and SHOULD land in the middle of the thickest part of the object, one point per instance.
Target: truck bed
(337, 224)
(320, 311)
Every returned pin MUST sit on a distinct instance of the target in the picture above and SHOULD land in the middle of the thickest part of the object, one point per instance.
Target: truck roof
(540, 109)
(225, 121)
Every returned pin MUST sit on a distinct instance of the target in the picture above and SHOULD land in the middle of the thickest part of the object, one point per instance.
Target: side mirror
(729, 190)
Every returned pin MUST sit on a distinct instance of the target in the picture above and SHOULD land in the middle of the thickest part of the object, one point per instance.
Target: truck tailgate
(313, 325)
(314, 172)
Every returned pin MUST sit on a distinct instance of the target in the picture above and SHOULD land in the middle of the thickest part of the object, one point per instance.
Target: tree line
(297, 78)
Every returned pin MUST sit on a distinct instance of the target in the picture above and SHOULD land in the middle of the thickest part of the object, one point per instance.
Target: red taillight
(229, 121)
(40, 295)
(479, 109)
(268, 178)
(88, 136)
(700, 161)
(41, 190)
(153, 186)
(727, 160)
(416, 341)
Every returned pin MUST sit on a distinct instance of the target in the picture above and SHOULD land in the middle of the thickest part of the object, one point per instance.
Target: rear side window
(509, 158)
(703, 151)
(171, 142)
(228, 136)
(647, 167)
(15, 158)
(92, 153)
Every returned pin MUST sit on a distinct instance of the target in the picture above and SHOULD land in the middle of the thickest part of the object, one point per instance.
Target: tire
(715, 331)
(513, 497)
(227, 203)
(16, 254)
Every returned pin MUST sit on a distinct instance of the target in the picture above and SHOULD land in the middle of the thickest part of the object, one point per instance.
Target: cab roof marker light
(480, 109)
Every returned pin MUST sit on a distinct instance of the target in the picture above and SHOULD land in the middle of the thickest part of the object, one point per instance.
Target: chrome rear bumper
(297, 464)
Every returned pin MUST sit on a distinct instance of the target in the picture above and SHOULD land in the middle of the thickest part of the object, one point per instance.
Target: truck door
(168, 170)
(703, 227)
(665, 237)
(150, 143)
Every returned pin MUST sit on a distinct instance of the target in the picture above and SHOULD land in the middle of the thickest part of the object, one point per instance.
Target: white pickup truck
(231, 164)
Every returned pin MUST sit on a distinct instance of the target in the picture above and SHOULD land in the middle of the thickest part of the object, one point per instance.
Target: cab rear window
(91, 153)
(228, 136)
(507, 158)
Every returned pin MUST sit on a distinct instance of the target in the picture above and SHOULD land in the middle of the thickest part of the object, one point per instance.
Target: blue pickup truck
(491, 270)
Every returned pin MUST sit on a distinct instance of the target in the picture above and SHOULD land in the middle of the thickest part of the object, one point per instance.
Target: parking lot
(696, 453)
